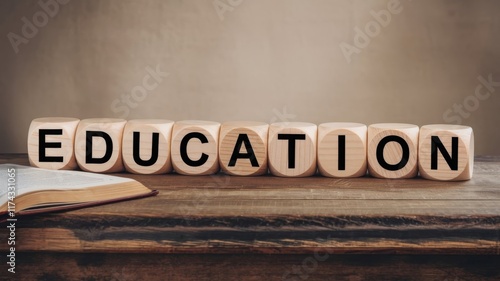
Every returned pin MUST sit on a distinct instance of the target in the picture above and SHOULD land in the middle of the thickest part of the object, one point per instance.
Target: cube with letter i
(342, 149)
(392, 150)
(243, 148)
(292, 149)
(98, 145)
(446, 152)
(195, 147)
(146, 146)
(51, 143)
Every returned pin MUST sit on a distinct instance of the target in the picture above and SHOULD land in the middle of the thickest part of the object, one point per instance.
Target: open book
(27, 190)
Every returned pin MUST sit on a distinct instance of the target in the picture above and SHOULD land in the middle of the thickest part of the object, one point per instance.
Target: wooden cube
(342, 149)
(292, 149)
(243, 148)
(146, 146)
(51, 143)
(393, 150)
(446, 152)
(98, 145)
(195, 147)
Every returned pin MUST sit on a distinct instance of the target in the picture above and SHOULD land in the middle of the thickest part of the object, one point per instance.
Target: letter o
(43, 16)
(369, 31)
(404, 157)
(311, 261)
(139, 93)
(471, 103)
(321, 258)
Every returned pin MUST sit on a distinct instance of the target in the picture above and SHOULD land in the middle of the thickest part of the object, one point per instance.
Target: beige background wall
(259, 60)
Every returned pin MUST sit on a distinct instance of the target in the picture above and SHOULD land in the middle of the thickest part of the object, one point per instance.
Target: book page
(29, 179)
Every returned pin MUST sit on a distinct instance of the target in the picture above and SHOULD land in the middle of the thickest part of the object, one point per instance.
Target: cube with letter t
(51, 143)
(98, 145)
(446, 152)
(195, 147)
(292, 149)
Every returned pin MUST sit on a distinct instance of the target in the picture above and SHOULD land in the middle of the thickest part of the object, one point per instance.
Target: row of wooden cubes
(289, 149)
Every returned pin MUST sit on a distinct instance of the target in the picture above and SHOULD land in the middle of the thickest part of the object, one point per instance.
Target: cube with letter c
(195, 147)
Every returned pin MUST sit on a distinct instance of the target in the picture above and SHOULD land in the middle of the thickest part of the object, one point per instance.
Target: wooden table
(269, 228)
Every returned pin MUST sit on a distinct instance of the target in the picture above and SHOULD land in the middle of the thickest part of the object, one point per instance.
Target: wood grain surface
(266, 214)
(224, 267)
(269, 228)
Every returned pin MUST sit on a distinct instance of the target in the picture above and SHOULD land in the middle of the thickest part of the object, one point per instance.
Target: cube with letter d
(98, 145)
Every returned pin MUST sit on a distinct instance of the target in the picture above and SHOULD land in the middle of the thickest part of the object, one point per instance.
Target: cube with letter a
(446, 152)
(243, 148)
(393, 150)
(292, 149)
(195, 147)
(98, 145)
(146, 146)
(51, 143)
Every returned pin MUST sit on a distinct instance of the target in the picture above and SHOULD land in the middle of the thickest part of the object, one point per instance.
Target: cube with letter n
(446, 152)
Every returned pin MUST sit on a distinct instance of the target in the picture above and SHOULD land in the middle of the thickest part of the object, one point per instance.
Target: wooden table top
(266, 214)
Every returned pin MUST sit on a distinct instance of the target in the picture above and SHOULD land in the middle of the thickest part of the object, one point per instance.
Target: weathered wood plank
(210, 267)
(222, 214)
(257, 240)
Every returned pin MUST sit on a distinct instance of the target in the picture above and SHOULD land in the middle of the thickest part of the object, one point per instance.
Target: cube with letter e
(51, 143)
